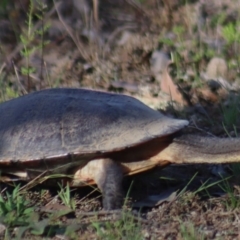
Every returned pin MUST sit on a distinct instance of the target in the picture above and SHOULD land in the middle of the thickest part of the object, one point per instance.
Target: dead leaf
(159, 67)
(156, 200)
(168, 86)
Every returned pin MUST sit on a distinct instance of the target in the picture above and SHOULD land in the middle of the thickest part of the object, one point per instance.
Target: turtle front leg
(108, 175)
(109, 180)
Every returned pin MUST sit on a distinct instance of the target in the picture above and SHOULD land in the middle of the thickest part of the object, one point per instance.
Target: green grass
(14, 208)
(231, 113)
(189, 232)
(65, 195)
(232, 201)
(124, 228)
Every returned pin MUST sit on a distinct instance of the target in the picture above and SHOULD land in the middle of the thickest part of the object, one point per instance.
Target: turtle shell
(63, 125)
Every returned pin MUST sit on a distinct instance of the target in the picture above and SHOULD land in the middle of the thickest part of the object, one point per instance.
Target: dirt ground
(178, 57)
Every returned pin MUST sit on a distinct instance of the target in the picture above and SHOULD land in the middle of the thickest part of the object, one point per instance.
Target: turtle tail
(197, 149)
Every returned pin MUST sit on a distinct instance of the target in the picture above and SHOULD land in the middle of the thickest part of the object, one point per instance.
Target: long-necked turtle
(96, 137)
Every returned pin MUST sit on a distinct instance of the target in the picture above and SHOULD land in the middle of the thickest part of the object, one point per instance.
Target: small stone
(217, 67)
(2, 229)
(159, 63)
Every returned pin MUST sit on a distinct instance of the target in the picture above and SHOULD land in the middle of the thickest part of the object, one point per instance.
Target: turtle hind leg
(110, 184)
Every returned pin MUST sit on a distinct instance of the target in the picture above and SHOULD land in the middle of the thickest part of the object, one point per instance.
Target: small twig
(54, 198)
(95, 13)
(78, 44)
(4, 190)
(19, 82)
(33, 182)
(82, 199)
(200, 129)
(119, 214)
(136, 5)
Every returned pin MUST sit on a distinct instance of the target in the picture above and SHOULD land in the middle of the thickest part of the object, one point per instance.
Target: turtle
(96, 137)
